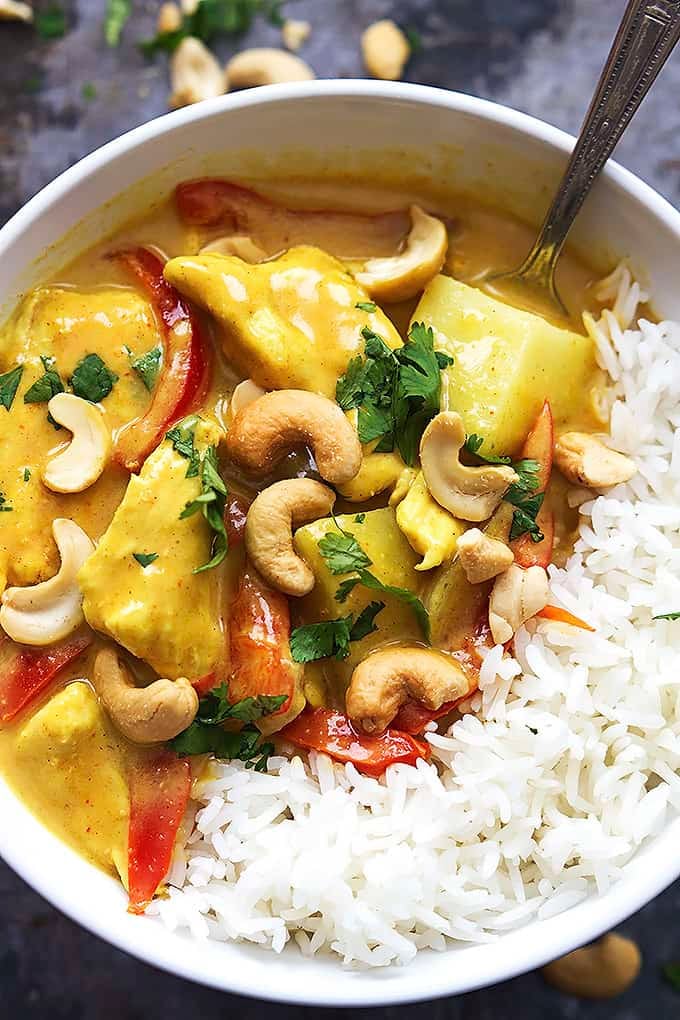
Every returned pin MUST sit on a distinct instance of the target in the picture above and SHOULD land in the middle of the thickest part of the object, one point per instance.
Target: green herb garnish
(521, 494)
(9, 384)
(51, 23)
(473, 444)
(331, 638)
(147, 366)
(369, 580)
(671, 972)
(206, 736)
(5, 507)
(360, 518)
(366, 306)
(396, 392)
(144, 559)
(182, 438)
(211, 504)
(88, 91)
(27, 474)
(213, 18)
(667, 616)
(117, 14)
(342, 553)
(47, 386)
(414, 39)
(92, 380)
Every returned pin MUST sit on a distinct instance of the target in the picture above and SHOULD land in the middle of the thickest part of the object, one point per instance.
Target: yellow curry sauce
(299, 326)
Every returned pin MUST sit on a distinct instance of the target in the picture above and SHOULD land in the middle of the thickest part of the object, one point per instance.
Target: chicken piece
(72, 774)
(430, 529)
(290, 323)
(65, 325)
(162, 613)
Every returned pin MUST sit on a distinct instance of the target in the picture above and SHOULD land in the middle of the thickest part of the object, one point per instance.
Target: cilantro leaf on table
(117, 14)
(331, 638)
(211, 503)
(212, 18)
(9, 384)
(671, 972)
(147, 366)
(92, 380)
(144, 559)
(47, 386)
(50, 23)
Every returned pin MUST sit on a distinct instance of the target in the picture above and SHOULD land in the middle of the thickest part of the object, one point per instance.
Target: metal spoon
(645, 39)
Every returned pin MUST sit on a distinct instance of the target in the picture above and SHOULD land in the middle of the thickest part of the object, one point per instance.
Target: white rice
(567, 764)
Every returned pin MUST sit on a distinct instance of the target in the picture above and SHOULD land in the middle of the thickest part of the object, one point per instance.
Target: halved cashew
(387, 679)
(14, 10)
(482, 557)
(144, 715)
(517, 595)
(585, 460)
(244, 393)
(169, 18)
(237, 244)
(404, 275)
(385, 49)
(264, 430)
(269, 531)
(295, 33)
(265, 66)
(600, 970)
(82, 462)
(47, 612)
(472, 493)
(195, 74)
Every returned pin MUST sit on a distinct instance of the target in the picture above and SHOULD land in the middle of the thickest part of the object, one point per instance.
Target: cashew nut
(266, 66)
(600, 970)
(404, 275)
(238, 244)
(269, 531)
(244, 393)
(145, 715)
(517, 595)
(385, 49)
(47, 612)
(14, 10)
(482, 557)
(169, 19)
(263, 431)
(585, 460)
(82, 462)
(195, 74)
(471, 493)
(387, 679)
(295, 33)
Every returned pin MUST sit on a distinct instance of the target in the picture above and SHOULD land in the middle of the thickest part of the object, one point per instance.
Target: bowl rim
(364, 990)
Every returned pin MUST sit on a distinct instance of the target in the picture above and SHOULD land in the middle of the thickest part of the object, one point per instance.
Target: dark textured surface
(541, 56)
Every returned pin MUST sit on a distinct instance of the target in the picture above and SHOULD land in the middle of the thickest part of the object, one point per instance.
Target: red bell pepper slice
(538, 446)
(235, 514)
(186, 360)
(322, 729)
(209, 202)
(26, 672)
(159, 794)
(259, 635)
(560, 615)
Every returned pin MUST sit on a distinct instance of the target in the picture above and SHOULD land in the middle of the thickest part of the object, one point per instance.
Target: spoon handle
(647, 34)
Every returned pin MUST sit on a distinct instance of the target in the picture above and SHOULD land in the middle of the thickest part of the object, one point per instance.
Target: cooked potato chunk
(76, 773)
(162, 613)
(506, 363)
(290, 323)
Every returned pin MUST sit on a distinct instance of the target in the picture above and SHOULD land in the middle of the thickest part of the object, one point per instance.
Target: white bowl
(319, 127)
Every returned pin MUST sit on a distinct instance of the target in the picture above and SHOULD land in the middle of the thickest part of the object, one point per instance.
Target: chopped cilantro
(473, 444)
(88, 91)
(213, 18)
(332, 637)
(92, 380)
(51, 23)
(360, 518)
(206, 736)
(369, 580)
(414, 39)
(27, 474)
(667, 616)
(9, 384)
(5, 507)
(521, 494)
(211, 504)
(117, 14)
(342, 553)
(397, 392)
(182, 438)
(147, 366)
(524, 518)
(671, 972)
(366, 306)
(47, 386)
(144, 559)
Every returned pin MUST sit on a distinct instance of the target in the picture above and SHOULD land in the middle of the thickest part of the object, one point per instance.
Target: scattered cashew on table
(601, 970)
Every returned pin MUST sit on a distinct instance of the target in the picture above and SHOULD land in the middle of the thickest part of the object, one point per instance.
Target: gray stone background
(541, 56)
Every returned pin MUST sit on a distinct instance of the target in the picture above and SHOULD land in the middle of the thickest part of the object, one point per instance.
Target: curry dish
(272, 478)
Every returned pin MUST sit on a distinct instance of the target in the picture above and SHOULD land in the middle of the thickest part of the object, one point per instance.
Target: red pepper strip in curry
(185, 364)
(159, 794)
(560, 615)
(322, 729)
(26, 672)
(259, 633)
(211, 203)
(538, 446)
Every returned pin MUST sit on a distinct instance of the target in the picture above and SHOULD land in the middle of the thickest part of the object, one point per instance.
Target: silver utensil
(645, 39)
